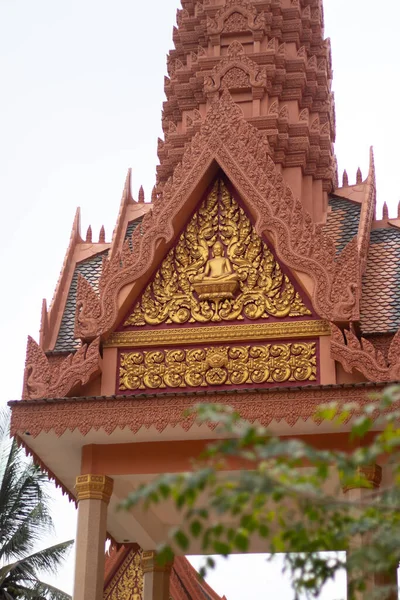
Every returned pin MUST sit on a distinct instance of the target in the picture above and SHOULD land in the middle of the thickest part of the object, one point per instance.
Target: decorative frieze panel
(220, 270)
(127, 583)
(253, 365)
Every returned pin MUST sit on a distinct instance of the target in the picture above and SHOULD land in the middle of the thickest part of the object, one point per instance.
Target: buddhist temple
(252, 277)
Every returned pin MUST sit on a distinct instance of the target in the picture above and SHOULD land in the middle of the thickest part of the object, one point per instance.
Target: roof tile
(343, 221)
(380, 302)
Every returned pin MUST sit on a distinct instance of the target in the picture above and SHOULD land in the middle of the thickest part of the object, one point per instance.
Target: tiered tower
(250, 279)
(272, 57)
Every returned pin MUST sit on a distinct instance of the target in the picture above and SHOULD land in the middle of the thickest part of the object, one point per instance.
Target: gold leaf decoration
(220, 270)
(217, 366)
(127, 583)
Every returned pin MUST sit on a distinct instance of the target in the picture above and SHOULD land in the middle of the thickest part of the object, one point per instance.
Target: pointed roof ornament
(89, 235)
(141, 195)
(385, 212)
(44, 325)
(398, 210)
(102, 235)
(359, 176)
(154, 195)
(127, 193)
(345, 179)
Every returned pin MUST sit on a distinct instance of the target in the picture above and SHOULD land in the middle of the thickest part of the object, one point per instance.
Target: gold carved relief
(218, 365)
(127, 583)
(220, 270)
(210, 334)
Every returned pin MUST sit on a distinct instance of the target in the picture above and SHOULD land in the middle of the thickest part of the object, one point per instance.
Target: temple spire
(141, 195)
(262, 78)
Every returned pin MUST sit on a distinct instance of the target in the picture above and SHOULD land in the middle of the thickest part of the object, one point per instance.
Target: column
(155, 577)
(373, 479)
(93, 495)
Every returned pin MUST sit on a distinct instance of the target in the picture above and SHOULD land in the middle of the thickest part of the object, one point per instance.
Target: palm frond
(46, 561)
(24, 535)
(41, 590)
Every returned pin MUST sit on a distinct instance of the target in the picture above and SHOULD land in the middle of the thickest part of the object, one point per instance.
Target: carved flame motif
(262, 290)
(218, 365)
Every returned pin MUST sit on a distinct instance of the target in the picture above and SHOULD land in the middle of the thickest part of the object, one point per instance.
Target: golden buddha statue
(218, 268)
(218, 279)
(136, 595)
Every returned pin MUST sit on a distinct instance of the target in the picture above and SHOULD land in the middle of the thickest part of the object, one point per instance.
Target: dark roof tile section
(131, 228)
(342, 222)
(90, 269)
(380, 302)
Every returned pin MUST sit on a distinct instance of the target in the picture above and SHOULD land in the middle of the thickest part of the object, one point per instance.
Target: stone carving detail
(279, 405)
(127, 583)
(244, 155)
(236, 22)
(218, 366)
(360, 354)
(236, 16)
(193, 285)
(235, 78)
(236, 70)
(43, 379)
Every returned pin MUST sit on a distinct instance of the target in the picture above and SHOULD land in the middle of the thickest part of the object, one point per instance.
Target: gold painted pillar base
(156, 578)
(354, 493)
(93, 495)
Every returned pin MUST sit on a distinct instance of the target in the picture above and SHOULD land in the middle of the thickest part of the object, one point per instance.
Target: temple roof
(91, 270)
(380, 295)
(380, 300)
(343, 221)
(124, 578)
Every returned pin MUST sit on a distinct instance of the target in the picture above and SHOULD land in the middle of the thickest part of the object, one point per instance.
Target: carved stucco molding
(252, 19)
(161, 411)
(244, 155)
(236, 71)
(361, 355)
(45, 379)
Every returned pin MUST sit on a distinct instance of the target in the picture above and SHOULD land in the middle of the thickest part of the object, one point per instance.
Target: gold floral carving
(222, 334)
(220, 270)
(94, 487)
(218, 365)
(127, 583)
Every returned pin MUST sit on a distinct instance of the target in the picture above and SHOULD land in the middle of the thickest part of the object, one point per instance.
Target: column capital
(94, 487)
(151, 565)
(370, 478)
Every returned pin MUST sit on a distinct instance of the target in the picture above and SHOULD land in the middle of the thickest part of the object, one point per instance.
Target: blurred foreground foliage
(285, 497)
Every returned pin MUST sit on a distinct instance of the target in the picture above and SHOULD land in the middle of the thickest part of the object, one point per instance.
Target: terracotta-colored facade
(252, 278)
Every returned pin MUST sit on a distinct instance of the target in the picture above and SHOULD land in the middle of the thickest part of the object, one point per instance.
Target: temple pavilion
(253, 278)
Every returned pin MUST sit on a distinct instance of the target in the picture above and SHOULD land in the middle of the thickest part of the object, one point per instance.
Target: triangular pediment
(219, 271)
(220, 310)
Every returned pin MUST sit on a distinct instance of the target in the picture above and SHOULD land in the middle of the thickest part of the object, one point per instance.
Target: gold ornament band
(94, 487)
(367, 477)
(218, 334)
(218, 366)
(219, 271)
(150, 563)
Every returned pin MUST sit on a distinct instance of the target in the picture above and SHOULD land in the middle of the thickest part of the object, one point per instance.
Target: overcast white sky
(80, 103)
